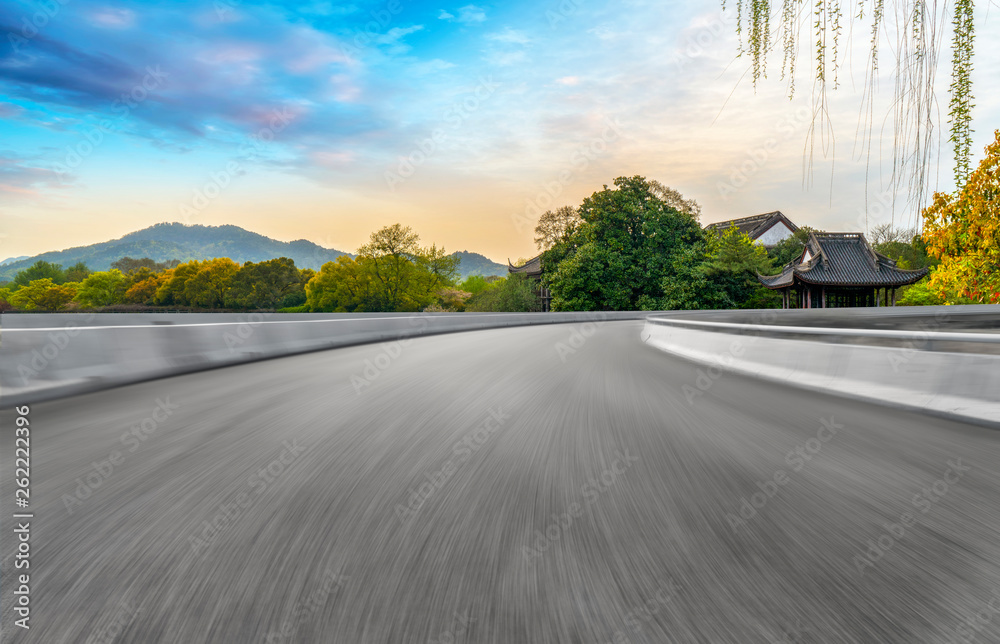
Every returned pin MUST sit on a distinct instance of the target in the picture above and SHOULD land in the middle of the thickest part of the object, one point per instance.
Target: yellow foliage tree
(963, 231)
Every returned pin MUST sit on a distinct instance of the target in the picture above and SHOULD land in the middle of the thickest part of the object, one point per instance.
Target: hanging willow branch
(960, 106)
(917, 26)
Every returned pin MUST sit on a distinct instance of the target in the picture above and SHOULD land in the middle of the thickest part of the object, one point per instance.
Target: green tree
(103, 288)
(41, 294)
(675, 199)
(449, 299)
(58, 297)
(129, 265)
(690, 286)
(920, 294)
(904, 245)
(40, 270)
(297, 296)
(436, 272)
(555, 226)
(733, 262)
(390, 256)
(143, 291)
(474, 284)
(264, 285)
(209, 287)
(621, 253)
(344, 286)
(513, 294)
(962, 232)
(732, 250)
(77, 272)
(172, 288)
(790, 248)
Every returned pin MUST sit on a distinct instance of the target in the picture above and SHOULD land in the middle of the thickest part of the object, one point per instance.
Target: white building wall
(775, 234)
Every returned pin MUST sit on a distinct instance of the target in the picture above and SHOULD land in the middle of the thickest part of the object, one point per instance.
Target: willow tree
(917, 27)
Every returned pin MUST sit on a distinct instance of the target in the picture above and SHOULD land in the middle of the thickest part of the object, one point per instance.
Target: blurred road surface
(509, 486)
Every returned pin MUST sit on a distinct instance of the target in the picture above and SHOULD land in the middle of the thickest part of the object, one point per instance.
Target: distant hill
(164, 242)
(476, 264)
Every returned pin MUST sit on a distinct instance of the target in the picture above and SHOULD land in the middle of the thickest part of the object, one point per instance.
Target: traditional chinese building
(767, 229)
(533, 270)
(840, 269)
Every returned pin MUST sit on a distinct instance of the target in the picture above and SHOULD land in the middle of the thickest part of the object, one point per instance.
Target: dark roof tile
(842, 259)
(754, 225)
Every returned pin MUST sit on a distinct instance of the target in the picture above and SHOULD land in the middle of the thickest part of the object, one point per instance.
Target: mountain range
(163, 242)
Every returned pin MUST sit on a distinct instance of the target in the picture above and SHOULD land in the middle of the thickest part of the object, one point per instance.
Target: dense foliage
(639, 246)
(963, 232)
(391, 273)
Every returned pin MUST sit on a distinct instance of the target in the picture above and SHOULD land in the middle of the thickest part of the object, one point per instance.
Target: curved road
(511, 485)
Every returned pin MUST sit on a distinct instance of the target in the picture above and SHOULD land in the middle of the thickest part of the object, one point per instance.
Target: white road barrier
(46, 356)
(949, 373)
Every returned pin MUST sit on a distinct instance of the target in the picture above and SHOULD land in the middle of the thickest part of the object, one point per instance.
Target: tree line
(635, 246)
(392, 272)
(639, 246)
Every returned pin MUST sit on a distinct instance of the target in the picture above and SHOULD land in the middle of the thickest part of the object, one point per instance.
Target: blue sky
(328, 120)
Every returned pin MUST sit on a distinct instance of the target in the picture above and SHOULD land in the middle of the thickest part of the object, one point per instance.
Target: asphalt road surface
(510, 485)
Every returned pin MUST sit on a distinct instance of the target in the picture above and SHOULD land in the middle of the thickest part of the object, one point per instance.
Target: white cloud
(431, 66)
(393, 38)
(327, 8)
(469, 14)
(511, 36)
(113, 18)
